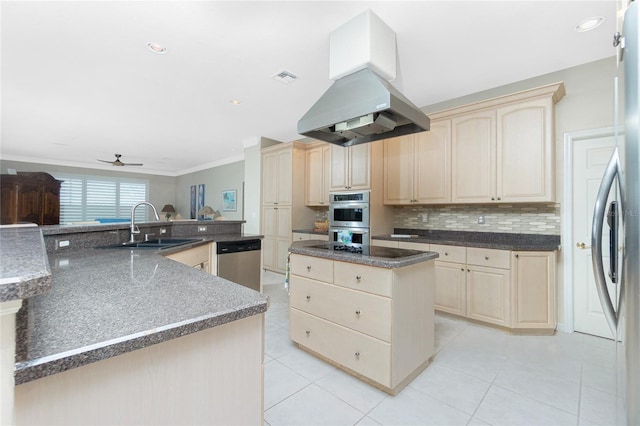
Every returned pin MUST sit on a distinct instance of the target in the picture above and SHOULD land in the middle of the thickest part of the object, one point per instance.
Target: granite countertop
(26, 273)
(382, 257)
(93, 227)
(492, 240)
(92, 304)
(311, 231)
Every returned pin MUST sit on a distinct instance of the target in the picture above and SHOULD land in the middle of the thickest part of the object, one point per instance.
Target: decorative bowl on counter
(321, 226)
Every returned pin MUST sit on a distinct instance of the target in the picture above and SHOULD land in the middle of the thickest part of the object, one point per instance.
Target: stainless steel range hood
(361, 107)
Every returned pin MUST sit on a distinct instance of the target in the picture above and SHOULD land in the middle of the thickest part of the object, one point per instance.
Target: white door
(590, 158)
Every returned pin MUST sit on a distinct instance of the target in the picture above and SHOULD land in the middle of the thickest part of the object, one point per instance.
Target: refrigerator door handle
(608, 180)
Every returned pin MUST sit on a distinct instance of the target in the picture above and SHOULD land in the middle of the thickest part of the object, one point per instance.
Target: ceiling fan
(119, 163)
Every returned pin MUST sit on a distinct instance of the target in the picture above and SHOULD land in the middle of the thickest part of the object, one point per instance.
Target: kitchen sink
(155, 244)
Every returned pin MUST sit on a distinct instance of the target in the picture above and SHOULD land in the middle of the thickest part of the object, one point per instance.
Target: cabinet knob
(498, 198)
(308, 332)
(517, 256)
(468, 270)
(357, 354)
(486, 258)
(358, 277)
(462, 269)
(308, 268)
(308, 298)
(358, 312)
(493, 199)
(446, 254)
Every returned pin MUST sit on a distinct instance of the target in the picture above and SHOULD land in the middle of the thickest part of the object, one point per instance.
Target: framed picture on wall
(229, 201)
(193, 202)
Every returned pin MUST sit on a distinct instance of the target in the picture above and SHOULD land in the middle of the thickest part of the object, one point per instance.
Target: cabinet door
(284, 174)
(9, 202)
(488, 296)
(339, 168)
(283, 237)
(317, 176)
(269, 230)
(450, 287)
(359, 166)
(269, 178)
(29, 202)
(51, 204)
(473, 158)
(525, 152)
(433, 164)
(534, 278)
(398, 170)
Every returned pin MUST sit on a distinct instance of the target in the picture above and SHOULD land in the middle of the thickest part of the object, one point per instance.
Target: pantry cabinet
(417, 167)
(318, 175)
(350, 167)
(283, 201)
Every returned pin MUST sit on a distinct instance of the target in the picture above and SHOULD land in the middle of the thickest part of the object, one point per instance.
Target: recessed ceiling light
(589, 24)
(235, 101)
(156, 48)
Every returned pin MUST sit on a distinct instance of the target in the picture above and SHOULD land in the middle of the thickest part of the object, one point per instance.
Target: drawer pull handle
(486, 258)
(462, 269)
(308, 332)
(358, 312)
(308, 298)
(357, 354)
(308, 268)
(358, 277)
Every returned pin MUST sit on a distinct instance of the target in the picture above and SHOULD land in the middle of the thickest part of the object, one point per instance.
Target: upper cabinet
(502, 149)
(317, 175)
(30, 197)
(277, 174)
(417, 166)
(350, 167)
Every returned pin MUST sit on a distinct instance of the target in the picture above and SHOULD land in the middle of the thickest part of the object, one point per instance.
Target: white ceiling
(78, 82)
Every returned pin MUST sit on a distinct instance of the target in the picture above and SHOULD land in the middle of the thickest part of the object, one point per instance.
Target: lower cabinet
(375, 323)
(303, 236)
(197, 257)
(277, 237)
(534, 289)
(488, 296)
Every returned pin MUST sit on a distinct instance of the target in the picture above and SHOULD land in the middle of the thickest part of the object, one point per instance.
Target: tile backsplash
(510, 218)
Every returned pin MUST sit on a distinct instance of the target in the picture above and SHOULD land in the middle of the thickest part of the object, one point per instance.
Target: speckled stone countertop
(311, 231)
(24, 268)
(382, 257)
(106, 302)
(493, 240)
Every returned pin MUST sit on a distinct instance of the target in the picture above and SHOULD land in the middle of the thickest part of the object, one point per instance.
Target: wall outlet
(480, 220)
(163, 231)
(202, 229)
(63, 243)
(424, 217)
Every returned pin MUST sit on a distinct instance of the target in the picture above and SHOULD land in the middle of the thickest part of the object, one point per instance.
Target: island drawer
(363, 354)
(366, 313)
(457, 254)
(489, 257)
(364, 278)
(312, 267)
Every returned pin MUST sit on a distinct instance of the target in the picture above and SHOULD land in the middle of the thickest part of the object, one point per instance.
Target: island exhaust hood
(361, 105)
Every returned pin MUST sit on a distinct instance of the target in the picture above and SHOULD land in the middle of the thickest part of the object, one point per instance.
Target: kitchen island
(132, 337)
(370, 314)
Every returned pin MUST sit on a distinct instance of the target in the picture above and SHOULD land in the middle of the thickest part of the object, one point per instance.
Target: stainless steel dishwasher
(239, 261)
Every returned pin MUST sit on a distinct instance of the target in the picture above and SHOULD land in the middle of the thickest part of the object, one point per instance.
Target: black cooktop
(374, 251)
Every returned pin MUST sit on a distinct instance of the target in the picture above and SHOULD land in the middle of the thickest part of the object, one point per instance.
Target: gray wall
(162, 189)
(216, 180)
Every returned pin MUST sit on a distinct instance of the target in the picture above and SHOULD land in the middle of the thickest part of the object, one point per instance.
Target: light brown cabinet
(30, 197)
(197, 257)
(350, 167)
(417, 167)
(534, 289)
(283, 201)
(318, 175)
(374, 322)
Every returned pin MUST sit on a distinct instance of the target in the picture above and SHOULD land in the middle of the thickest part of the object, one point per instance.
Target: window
(85, 198)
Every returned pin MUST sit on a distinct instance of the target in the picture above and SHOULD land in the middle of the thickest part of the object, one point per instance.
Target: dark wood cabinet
(30, 197)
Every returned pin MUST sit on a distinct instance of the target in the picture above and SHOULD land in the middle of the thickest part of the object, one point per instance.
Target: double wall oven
(349, 218)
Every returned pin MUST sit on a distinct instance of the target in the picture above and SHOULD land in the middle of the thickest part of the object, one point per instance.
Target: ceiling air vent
(285, 77)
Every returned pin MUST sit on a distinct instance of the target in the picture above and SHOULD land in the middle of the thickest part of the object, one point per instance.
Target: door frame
(570, 139)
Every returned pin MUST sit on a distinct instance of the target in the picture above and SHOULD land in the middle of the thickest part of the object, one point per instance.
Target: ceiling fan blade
(132, 164)
(105, 161)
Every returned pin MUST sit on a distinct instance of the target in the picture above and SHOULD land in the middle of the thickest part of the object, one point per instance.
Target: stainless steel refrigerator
(621, 219)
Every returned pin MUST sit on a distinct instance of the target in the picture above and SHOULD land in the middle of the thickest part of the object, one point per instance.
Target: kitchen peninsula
(132, 337)
(370, 314)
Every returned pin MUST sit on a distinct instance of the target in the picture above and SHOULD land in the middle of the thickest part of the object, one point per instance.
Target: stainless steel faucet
(134, 228)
